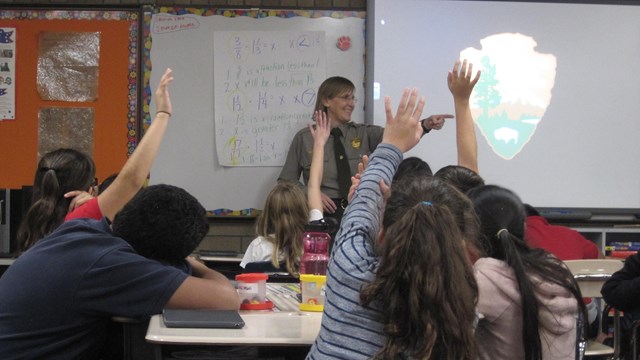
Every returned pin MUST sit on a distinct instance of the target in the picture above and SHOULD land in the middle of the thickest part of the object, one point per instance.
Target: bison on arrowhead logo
(513, 92)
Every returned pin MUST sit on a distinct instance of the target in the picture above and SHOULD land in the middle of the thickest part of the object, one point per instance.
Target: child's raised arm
(134, 172)
(461, 84)
(320, 136)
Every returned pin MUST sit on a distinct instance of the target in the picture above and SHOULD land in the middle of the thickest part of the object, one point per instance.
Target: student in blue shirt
(57, 299)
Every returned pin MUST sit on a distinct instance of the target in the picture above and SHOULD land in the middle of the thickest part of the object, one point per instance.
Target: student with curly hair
(58, 298)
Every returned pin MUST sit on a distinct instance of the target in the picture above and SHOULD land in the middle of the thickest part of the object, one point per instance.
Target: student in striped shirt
(399, 284)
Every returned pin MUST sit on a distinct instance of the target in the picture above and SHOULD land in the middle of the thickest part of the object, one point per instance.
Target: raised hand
(461, 84)
(162, 99)
(459, 79)
(403, 129)
(322, 129)
(317, 199)
(355, 179)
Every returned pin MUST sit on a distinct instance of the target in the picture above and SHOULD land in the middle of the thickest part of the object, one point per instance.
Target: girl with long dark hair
(529, 301)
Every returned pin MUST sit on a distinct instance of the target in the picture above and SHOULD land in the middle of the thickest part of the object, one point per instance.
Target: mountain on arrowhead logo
(513, 92)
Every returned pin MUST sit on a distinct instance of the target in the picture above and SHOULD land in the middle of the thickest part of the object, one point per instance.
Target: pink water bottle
(316, 249)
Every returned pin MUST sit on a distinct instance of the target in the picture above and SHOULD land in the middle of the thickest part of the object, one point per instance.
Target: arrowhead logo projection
(513, 92)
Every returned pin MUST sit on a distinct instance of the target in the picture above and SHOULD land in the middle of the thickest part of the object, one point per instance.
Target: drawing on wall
(513, 92)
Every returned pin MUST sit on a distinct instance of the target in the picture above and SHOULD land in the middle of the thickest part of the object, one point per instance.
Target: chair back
(262, 266)
(591, 274)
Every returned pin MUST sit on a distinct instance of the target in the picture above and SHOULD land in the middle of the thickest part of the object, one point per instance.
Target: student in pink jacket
(528, 299)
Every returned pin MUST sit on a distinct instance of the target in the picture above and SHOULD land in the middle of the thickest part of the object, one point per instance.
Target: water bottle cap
(318, 226)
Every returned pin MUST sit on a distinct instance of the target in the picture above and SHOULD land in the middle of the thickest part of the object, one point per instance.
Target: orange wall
(19, 138)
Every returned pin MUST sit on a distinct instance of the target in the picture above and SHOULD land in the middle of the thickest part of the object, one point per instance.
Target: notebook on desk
(217, 319)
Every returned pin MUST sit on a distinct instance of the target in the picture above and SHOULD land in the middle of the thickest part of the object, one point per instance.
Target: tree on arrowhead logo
(513, 92)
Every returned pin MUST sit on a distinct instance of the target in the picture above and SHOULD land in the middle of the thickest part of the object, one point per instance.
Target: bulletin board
(245, 83)
(115, 111)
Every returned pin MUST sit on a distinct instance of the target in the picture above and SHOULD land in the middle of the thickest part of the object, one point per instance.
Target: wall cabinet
(604, 236)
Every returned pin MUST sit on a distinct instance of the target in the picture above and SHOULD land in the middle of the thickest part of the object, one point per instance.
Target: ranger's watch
(423, 123)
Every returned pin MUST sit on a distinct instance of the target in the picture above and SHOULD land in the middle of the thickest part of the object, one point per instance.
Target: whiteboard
(196, 48)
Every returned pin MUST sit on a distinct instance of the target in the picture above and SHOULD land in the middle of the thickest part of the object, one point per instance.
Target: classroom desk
(228, 266)
(261, 328)
(222, 259)
(285, 325)
(4, 264)
(6, 261)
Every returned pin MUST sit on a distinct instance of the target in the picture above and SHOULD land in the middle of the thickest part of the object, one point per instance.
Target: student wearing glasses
(336, 98)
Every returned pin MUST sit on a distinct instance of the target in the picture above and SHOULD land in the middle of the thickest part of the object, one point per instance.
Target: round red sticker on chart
(344, 43)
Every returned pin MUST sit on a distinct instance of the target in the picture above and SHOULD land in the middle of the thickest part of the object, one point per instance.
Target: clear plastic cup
(312, 288)
(252, 287)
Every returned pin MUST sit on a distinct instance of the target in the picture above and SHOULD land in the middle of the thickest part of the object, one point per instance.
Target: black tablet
(184, 318)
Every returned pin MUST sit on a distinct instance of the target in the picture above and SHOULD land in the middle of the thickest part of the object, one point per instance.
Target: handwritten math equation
(258, 89)
(265, 91)
(245, 46)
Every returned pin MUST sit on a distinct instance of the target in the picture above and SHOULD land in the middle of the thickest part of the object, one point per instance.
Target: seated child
(399, 284)
(280, 227)
(287, 211)
(64, 176)
(528, 298)
(58, 298)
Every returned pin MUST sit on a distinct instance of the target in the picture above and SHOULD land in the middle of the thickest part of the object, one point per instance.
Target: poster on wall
(266, 85)
(7, 74)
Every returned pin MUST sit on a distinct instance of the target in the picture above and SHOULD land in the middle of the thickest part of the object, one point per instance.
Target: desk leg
(157, 352)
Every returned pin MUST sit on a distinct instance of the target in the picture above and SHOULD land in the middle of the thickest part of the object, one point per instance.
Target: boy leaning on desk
(57, 299)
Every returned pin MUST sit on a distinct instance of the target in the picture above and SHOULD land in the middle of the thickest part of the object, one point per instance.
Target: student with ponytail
(401, 287)
(58, 172)
(64, 185)
(425, 282)
(528, 299)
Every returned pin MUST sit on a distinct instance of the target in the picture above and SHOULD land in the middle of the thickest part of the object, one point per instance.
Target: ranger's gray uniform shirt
(357, 139)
